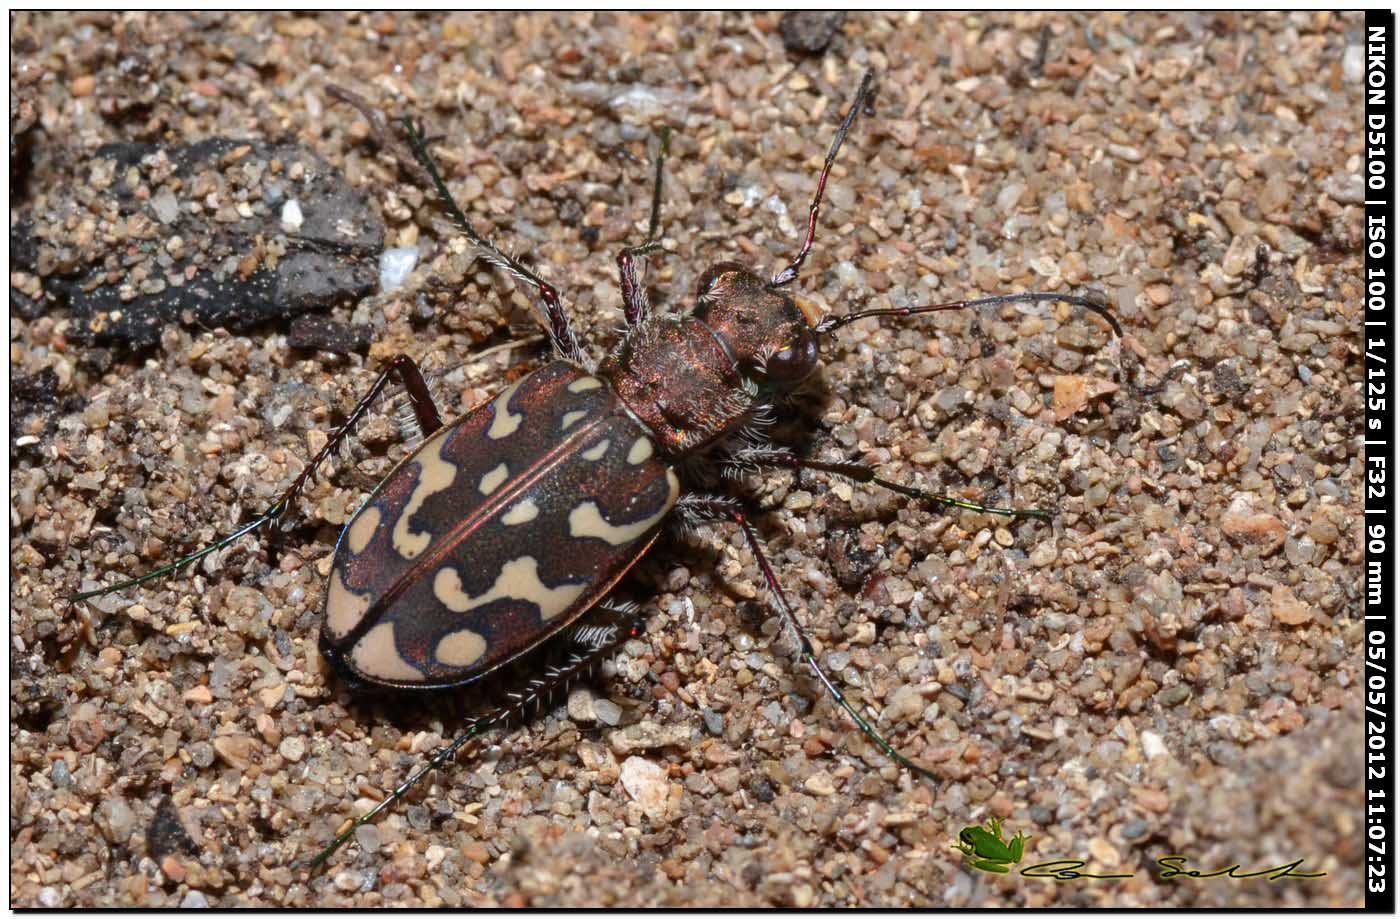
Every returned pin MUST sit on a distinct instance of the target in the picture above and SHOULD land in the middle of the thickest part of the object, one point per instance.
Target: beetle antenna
(1096, 304)
(862, 99)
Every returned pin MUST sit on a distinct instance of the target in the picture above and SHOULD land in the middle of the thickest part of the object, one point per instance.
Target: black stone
(809, 31)
(330, 259)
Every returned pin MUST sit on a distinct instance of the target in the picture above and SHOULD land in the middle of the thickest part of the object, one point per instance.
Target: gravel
(1169, 666)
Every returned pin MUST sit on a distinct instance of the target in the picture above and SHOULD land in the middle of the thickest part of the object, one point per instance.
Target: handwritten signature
(1172, 866)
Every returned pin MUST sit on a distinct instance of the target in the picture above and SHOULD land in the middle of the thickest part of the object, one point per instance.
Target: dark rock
(166, 834)
(236, 263)
(810, 31)
(317, 333)
(36, 394)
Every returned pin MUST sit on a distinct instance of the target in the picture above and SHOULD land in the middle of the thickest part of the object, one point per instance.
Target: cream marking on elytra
(461, 648)
(505, 422)
(344, 609)
(377, 656)
(641, 451)
(596, 452)
(523, 512)
(436, 475)
(583, 384)
(587, 520)
(571, 419)
(493, 479)
(362, 530)
(519, 580)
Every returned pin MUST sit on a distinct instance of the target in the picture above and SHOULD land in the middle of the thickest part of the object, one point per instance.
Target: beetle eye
(795, 363)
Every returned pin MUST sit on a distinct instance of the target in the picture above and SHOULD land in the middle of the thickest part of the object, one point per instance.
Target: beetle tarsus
(860, 472)
(726, 509)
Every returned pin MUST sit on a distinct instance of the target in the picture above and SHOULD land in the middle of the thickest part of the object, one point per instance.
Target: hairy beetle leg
(561, 332)
(401, 368)
(592, 641)
(634, 294)
(860, 472)
(419, 165)
(719, 508)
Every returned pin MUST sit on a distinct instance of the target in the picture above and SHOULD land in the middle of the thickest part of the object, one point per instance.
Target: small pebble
(809, 31)
(580, 705)
(291, 216)
(292, 749)
(607, 712)
(367, 836)
(395, 265)
(348, 881)
(646, 783)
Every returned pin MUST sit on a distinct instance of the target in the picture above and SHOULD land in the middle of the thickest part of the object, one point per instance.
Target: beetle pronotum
(505, 527)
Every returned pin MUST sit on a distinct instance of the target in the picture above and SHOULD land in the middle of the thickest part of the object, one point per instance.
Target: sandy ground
(1169, 667)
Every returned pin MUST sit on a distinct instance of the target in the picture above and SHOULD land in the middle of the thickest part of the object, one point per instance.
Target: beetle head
(769, 332)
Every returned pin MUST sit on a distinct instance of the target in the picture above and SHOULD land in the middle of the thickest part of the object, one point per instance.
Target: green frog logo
(986, 850)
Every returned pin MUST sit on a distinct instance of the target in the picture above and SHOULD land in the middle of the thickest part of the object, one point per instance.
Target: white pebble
(1353, 63)
(646, 783)
(395, 266)
(1152, 745)
(291, 216)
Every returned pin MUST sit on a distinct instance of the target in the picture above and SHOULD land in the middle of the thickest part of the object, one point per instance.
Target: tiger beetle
(509, 527)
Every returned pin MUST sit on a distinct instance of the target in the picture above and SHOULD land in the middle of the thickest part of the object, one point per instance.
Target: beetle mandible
(505, 527)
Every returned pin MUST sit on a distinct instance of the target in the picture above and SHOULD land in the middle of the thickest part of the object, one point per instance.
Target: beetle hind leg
(721, 508)
(401, 368)
(607, 626)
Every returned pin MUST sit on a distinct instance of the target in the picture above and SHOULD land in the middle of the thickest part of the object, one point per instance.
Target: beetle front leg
(561, 332)
(401, 368)
(634, 293)
(419, 165)
(699, 508)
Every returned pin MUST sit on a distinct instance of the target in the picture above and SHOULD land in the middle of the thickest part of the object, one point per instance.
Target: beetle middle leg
(860, 472)
(702, 508)
(634, 294)
(403, 369)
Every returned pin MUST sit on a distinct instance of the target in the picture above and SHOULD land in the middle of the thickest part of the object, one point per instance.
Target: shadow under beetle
(505, 527)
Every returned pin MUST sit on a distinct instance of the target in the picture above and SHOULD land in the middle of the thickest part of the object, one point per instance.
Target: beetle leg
(418, 163)
(724, 508)
(634, 294)
(560, 331)
(593, 640)
(860, 472)
(401, 368)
